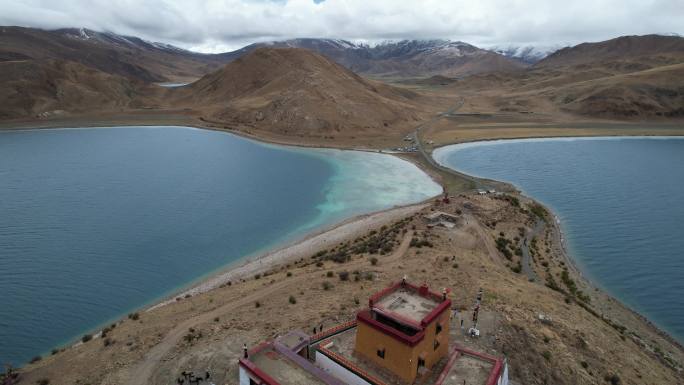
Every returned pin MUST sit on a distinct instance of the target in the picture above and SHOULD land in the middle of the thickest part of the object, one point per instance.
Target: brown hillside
(295, 92)
(108, 52)
(657, 92)
(628, 78)
(653, 49)
(42, 88)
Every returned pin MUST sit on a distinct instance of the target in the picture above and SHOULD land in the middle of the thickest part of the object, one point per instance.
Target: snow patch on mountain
(527, 54)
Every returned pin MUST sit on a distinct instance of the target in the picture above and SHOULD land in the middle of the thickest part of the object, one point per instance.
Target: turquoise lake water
(620, 202)
(95, 223)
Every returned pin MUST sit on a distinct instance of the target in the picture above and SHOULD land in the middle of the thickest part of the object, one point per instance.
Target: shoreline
(310, 243)
(557, 225)
(250, 265)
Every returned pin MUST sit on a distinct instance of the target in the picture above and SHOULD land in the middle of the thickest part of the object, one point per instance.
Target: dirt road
(141, 374)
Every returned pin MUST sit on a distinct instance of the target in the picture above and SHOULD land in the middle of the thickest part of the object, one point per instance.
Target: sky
(225, 25)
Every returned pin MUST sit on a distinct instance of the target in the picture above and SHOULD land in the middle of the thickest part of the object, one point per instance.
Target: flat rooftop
(472, 369)
(282, 369)
(461, 364)
(407, 303)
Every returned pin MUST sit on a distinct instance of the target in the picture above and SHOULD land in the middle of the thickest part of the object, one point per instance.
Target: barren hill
(296, 92)
(628, 78)
(108, 52)
(651, 49)
(43, 88)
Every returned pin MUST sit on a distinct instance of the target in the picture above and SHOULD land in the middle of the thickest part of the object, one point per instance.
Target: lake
(95, 223)
(621, 206)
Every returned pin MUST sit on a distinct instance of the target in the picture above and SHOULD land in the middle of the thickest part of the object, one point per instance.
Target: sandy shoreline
(303, 248)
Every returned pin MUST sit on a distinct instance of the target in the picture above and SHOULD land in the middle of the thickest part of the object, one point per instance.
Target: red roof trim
(375, 297)
(345, 363)
(436, 312)
(364, 316)
(442, 376)
(495, 373)
(399, 318)
(250, 366)
(424, 291)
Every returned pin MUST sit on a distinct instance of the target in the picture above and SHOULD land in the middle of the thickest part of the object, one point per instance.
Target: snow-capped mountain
(414, 58)
(526, 54)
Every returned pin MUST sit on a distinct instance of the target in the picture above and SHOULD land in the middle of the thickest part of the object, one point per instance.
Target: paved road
(477, 182)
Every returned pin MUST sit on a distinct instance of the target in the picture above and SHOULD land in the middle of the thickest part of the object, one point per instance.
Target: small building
(403, 337)
(440, 218)
(405, 329)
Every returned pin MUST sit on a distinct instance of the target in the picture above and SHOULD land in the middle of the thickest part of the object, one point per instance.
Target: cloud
(219, 25)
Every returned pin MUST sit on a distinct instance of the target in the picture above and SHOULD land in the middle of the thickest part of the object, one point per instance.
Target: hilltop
(629, 78)
(646, 49)
(108, 52)
(401, 59)
(292, 92)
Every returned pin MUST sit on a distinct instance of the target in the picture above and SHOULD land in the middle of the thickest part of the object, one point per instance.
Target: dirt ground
(582, 337)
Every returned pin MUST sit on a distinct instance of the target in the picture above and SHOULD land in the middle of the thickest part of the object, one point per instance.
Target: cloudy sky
(221, 25)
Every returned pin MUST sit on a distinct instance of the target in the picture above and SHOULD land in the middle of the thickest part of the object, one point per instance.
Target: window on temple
(381, 353)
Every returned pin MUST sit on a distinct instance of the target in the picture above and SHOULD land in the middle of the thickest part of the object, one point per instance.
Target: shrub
(257, 276)
(289, 274)
(502, 245)
(108, 341)
(293, 300)
(344, 275)
(134, 316)
(35, 359)
(43, 381)
(373, 261)
(217, 319)
(319, 264)
(455, 265)
(539, 211)
(584, 364)
(547, 355)
(546, 339)
(54, 351)
(613, 379)
(329, 274)
(86, 338)
(257, 304)
(327, 286)
(356, 300)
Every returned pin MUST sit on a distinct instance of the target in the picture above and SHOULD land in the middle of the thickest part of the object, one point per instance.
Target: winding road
(478, 183)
